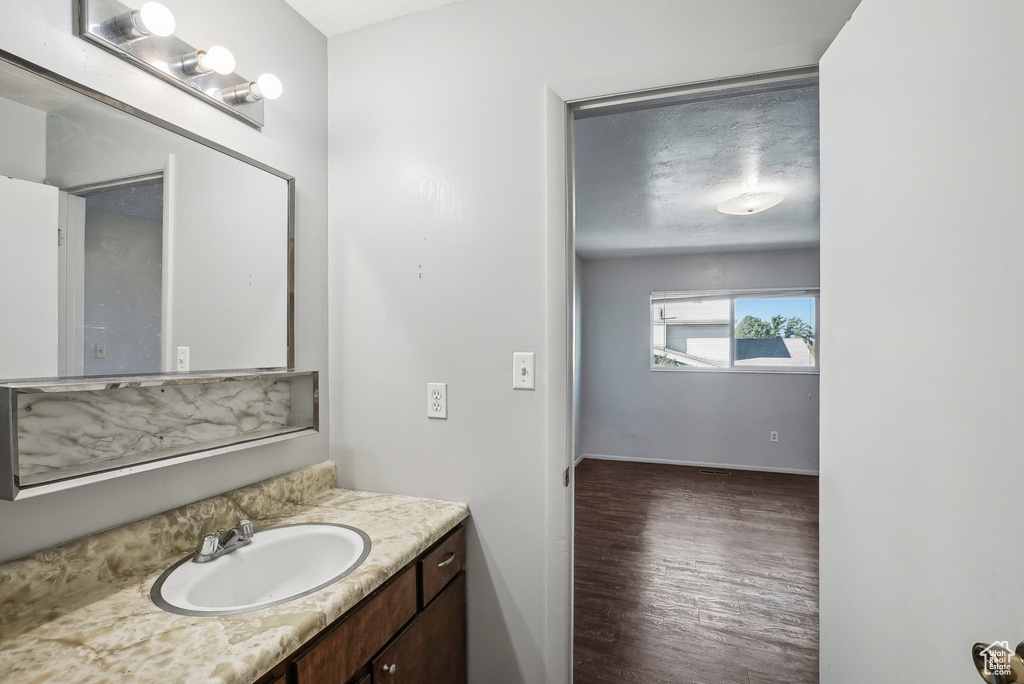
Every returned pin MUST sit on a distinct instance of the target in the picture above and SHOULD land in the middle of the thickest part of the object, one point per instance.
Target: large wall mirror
(130, 247)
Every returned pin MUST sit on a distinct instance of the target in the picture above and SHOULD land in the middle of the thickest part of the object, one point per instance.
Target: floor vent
(726, 473)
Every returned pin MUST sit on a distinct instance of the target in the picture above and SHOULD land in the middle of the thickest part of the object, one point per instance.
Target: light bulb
(750, 203)
(268, 86)
(156, 19)
(218, 58)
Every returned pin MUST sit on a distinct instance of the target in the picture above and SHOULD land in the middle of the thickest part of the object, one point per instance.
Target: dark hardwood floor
(687, 578)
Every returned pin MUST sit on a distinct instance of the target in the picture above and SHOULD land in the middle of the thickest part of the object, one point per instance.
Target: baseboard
(699, 464)
(578, 459)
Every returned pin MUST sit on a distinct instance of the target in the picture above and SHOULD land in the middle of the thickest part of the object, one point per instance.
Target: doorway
(695, 364)
(111, 297)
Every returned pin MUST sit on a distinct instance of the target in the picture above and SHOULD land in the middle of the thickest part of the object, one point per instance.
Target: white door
(922, 282)
(28, 279)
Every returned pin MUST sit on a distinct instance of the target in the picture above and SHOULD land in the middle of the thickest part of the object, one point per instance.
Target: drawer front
(442, 564)
(432, 649)
(349, 647)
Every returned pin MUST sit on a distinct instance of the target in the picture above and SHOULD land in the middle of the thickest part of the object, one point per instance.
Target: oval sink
(281, 564)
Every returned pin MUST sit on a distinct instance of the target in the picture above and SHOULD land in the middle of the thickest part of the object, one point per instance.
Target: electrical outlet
(437, 400)
(774, 435)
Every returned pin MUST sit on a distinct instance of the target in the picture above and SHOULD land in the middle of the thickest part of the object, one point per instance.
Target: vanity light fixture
(266, 86)
(152, 19)
(750, 203)
(217, 59)
(145, 37)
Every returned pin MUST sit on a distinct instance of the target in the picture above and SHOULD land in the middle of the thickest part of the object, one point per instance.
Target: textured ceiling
(650, 181)
(339, 16)
(139, 201)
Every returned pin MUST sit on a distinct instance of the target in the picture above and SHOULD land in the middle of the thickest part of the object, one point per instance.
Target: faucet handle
(245, 527)
(209, 544)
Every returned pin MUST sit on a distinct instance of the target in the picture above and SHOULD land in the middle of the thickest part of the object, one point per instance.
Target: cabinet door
(432, 650)
(346, 650)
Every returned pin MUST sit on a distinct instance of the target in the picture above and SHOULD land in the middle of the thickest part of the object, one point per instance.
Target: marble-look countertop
(81, 611)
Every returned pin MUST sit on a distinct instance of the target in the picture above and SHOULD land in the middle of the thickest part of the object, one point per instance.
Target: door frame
(72, 275)
(598, 106)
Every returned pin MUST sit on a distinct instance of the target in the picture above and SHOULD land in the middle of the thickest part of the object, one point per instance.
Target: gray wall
(720, 418)
(449, 234)
(265, 35)
(921, 459)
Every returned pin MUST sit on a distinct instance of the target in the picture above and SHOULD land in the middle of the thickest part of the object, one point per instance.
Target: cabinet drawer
(349, 647)
(432, 649)
(442, 564)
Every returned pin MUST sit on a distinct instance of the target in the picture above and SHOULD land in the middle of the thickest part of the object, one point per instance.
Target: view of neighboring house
(698, 333)
(776, 351)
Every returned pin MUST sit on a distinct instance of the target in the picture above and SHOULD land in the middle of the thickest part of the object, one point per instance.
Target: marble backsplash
(66, 434)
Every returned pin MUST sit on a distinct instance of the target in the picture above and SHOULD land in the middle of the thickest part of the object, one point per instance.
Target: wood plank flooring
(686, 578)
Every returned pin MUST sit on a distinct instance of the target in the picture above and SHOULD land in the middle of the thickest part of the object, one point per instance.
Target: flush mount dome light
(750, 203)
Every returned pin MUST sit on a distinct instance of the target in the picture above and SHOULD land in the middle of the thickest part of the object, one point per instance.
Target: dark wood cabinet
(347, 649)
(432, 649)
(411, 630)
(439, 566)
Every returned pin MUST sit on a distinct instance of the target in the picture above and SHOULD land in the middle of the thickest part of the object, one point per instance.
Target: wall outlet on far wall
(774, 435)
(437, 400)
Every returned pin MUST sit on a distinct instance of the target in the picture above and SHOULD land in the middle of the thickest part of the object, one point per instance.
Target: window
(765, 330)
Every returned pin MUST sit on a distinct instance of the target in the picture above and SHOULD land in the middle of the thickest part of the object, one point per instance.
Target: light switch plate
(101, 351)
(524, 367)
(183, 359)
(437, 400)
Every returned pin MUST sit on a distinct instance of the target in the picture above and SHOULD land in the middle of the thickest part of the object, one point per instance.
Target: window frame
(732, 296)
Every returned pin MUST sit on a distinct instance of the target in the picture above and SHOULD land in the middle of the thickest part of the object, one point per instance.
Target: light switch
(524, 366)
(101, 351)
(183, 360)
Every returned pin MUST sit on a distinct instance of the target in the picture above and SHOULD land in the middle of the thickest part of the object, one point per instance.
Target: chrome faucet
(213, 546)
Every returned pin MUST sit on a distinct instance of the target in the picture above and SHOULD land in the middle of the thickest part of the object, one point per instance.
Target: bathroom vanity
(413, 629)
(397, 617)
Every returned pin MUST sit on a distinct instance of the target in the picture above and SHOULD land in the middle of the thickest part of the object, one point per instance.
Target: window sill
(773, 371)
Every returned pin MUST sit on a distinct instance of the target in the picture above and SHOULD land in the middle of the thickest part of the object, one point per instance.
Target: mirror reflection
(127, 248)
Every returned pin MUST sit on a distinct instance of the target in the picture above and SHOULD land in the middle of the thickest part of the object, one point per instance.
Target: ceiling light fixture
(750, 203)
(152, 20)
(266, 86)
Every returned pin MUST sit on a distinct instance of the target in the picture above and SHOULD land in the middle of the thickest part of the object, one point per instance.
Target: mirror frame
(96, 95)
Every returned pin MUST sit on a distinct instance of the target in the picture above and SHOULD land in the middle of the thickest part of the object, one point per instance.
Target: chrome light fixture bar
(145, 37)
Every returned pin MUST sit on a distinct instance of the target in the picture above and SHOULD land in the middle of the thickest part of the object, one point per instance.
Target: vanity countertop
(81, 611)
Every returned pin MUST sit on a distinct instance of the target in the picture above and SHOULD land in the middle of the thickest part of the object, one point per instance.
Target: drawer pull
(389, 669)
(446, 561)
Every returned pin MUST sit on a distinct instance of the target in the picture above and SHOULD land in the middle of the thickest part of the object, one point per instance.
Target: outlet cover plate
(437, 400)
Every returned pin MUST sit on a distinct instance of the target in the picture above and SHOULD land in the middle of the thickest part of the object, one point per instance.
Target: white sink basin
(281, 564)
